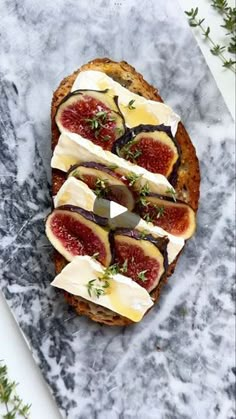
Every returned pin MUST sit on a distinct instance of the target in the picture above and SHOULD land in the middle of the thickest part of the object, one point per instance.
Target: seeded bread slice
(187, 185)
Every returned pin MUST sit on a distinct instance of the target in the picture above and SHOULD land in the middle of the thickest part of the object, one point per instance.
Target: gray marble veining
(178, 362)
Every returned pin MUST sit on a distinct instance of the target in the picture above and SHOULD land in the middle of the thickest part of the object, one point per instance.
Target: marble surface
(179, 362)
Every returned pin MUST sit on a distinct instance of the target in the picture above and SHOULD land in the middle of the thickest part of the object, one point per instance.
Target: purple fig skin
(168, 198)
(102, 221)
(160, 242)
(131, 133)
(152, 128)
(93, 165)
(112, 245)
(79, 92)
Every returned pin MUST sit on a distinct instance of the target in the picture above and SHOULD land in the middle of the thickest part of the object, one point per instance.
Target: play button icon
(118, 215)
(115, 210)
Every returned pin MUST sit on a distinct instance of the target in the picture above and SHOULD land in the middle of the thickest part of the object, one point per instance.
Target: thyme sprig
(105, 138)
(98, 121)
(221, 5)
(98, 286)
(14, 406)
(229, 18)
(129, 154)
(144, 234)
(216, 49)
(141, 275)
(157, 212)
(148, 218)
(96, 255)
(76, 173)
(160, 211)
(132, 178)
(123, 269)
(101, 187)
(144, 191)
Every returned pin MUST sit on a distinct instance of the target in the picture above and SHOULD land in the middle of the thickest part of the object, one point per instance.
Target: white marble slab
(179, 361)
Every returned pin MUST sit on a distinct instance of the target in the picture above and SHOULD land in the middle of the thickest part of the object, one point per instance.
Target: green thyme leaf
(232, 45)
(144, 234)
(90, 286)
(132, 178)
(101, 115)
(195, 12)
(112, 166)
(145, 190)
(105, 138)
(95, 255)
(124, 267)
(93, 122)
(230, 23)
(131, 155)
(221, 5)
(131, 104)
(217, 50)
(147, 217)
(189, 13)
(101, 187)
(76, 174)
(171, 192)
(141, 275)
(206, 33)
(119, 130)
(229, 63)
(99, 291)
(159, 210)
(111, 119)
(112, 270)
(142, 200)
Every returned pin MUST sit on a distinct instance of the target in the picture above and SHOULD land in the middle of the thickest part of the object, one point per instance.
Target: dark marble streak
(179, 361)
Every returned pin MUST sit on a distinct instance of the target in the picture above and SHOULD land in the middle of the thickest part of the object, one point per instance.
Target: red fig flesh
(151, 147)
(142, 260)
(72, 233)
(176, 218)
(92, 114)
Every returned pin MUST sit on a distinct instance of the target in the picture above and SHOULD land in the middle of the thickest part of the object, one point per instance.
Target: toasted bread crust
(187, 184)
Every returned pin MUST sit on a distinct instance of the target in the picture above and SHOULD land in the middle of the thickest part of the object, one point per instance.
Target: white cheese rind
(97, 80)
(76, 192)
(73, 149)
(124, 296)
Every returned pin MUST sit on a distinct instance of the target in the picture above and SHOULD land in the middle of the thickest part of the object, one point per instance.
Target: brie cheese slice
(123, 295)
(73, 149)
(142, 110)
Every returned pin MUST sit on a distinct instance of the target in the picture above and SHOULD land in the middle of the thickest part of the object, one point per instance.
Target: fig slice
(104, 182)
(151, 147)
(174, 216)
(140, 256)
(92, 114)
(74, 231)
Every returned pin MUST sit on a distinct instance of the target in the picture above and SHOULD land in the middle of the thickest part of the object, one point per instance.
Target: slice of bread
(187, 185)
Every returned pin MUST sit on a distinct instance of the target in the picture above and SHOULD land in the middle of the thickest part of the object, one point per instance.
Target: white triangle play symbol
(116, 209)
